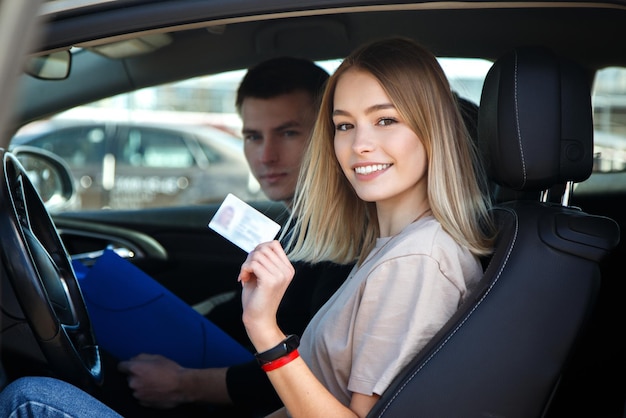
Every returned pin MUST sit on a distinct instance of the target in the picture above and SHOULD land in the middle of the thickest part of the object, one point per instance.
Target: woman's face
(380, 155)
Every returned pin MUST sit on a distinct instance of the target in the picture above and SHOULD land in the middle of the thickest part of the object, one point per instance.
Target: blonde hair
(331, 222)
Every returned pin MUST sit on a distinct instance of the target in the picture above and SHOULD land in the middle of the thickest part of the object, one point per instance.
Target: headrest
(535, 124)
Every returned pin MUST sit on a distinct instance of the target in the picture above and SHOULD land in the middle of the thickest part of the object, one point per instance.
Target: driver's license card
(242, 224)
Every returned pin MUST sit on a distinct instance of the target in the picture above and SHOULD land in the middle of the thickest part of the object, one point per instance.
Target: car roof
(154, 42)
(581, 29)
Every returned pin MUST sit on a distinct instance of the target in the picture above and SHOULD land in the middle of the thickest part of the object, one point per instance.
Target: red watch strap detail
(280, 362)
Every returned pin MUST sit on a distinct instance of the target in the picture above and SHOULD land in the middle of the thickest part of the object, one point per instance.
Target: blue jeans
(44, 397)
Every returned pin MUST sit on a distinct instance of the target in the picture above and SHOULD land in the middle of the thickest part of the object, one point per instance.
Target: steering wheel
(43, 280)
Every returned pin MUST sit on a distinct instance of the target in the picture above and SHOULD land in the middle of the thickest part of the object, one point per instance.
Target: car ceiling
(221, 35)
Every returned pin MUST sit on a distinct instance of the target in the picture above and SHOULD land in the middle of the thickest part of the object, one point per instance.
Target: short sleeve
(405, 301)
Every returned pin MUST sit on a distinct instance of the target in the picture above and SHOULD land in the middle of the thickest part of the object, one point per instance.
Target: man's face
(276, 132)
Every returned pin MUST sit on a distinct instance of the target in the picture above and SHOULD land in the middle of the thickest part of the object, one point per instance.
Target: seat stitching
(517, 122)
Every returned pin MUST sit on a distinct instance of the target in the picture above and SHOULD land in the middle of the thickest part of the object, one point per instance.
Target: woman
(391, 181)
(388, 181)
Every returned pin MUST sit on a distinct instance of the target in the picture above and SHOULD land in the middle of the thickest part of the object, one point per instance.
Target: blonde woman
(391, 180)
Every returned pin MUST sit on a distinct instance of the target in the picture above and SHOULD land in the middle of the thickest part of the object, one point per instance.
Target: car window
(609, 102)
(144, 147)
(79, 147)
(211, 154)
(609, 119)
(466, 76)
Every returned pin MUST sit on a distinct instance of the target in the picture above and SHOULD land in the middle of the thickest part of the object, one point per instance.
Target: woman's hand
(265, 276)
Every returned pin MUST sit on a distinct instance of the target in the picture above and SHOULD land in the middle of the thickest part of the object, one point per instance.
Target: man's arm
(159, 382)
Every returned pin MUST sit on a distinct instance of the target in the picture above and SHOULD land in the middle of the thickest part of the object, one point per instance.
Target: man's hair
(282, 75)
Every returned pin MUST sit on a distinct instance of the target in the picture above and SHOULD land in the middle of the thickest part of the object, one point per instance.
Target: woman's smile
(367, 169)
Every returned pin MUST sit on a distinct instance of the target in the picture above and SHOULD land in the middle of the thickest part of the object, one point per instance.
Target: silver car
(124, 165)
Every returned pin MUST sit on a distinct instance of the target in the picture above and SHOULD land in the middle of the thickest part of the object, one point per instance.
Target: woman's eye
(342, 126)
(386, 121)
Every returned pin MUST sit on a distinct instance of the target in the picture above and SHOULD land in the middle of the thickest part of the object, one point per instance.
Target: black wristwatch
(285, 347)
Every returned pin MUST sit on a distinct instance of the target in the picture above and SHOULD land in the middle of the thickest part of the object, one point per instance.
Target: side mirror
(50, 176)
(53, 66)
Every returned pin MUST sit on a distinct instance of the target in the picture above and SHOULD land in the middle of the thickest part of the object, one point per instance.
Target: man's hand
(156, 381)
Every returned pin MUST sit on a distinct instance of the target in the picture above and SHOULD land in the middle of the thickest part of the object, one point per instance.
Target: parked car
(106, 48)
(120, 165)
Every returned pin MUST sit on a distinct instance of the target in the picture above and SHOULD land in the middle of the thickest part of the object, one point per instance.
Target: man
(277, 101)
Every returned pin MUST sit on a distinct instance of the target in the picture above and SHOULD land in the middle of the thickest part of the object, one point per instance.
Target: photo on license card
(242, 224)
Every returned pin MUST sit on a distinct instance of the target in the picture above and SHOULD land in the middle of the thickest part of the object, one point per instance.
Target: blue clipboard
(132, 313)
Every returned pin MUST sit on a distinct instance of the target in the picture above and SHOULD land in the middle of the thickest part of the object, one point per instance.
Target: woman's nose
(362, 141)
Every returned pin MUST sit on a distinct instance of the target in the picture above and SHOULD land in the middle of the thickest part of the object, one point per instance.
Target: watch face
(292, 342)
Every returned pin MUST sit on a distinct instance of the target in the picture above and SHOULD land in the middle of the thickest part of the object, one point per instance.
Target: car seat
(502, 353)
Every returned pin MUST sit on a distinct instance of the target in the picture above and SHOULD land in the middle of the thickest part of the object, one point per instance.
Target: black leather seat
(502, 353)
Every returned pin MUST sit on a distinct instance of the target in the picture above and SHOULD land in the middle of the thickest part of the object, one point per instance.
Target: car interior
(540, 335)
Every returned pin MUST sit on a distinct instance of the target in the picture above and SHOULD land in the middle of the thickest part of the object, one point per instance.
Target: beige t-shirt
(388, 309)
